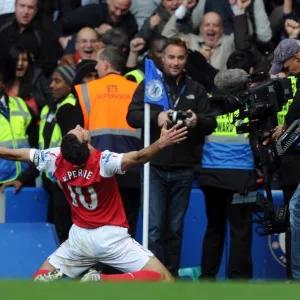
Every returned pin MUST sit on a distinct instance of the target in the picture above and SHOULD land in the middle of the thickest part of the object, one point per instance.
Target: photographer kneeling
(172, 171)
(287, 63)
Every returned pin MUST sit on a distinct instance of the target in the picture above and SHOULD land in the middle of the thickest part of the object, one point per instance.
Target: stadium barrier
(24, 247)
(29, 205)
(268, 253)
(26, 238)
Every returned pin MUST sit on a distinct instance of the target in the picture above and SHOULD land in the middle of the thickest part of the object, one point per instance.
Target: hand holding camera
(163, 117)
(189, 118)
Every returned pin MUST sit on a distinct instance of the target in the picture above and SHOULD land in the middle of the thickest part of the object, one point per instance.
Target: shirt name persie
(77, 173)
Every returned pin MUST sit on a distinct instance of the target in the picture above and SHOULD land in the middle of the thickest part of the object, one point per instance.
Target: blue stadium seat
(29, 205)
(24, 247)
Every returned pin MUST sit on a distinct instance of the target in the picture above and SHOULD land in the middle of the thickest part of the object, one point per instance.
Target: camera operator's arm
(294, 109)
(202, 120)
(292, 115)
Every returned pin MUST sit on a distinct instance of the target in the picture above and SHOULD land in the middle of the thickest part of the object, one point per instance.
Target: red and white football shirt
(91, 189)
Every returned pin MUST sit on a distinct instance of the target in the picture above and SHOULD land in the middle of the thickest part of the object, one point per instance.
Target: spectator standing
(258, 20)
(27, 81)
(22, 28)
(172, 171)
(16, 126)
(213, 44)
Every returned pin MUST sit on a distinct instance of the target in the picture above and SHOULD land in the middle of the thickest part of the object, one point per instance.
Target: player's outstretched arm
(167, 138)
(22, 154)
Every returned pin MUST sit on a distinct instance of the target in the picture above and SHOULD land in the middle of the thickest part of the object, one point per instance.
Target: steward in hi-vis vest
(104, 103)
(285, 108)
(14, 119)
(137, 74)
(56, 121)
(289, 169)
(227, 167)
(46, 137)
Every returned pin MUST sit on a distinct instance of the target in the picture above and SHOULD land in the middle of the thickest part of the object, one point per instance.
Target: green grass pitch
(65, 290)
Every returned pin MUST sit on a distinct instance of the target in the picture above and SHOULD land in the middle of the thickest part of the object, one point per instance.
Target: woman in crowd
(28, 82)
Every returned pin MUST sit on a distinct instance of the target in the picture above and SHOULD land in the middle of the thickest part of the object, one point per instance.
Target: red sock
(143, 275)
(40, 272)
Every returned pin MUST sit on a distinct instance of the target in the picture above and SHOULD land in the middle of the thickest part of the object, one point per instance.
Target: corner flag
(155, 92)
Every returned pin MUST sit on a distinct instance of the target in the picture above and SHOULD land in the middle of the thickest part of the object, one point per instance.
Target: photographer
(227, 168)
(172, 172)
(286, 63)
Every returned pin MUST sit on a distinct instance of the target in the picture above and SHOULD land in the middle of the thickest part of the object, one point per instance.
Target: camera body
(258, 102)
(178, 116)
(267, 97)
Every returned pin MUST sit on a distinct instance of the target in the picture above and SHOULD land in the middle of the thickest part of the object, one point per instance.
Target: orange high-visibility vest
(104, 103)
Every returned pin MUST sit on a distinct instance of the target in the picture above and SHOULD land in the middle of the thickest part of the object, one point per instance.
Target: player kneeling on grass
(100, 230)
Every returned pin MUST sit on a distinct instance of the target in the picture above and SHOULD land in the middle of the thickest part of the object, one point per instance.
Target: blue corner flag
(155, 92)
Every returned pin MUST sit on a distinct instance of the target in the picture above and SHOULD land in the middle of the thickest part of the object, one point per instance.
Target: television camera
(257, 98)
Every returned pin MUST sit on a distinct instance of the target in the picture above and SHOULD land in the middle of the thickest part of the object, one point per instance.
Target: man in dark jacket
(114, 13)
(172, 172)
(287, 63)
(23, 28)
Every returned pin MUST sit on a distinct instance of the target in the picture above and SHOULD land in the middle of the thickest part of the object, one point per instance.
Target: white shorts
(110, 245)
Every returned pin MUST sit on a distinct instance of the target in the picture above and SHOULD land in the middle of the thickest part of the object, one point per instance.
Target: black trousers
(218, 210)
(288, 192)
(59, 211)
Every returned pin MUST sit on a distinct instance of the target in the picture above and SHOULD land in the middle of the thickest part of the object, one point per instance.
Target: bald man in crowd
(84, 45)
(213, 44)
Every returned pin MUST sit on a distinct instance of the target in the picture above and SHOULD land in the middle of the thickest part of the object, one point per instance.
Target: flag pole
(146, 177)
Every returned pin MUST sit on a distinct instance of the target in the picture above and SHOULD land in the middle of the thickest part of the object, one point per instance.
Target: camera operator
(228, 167)
(172, 172)
(286, 63)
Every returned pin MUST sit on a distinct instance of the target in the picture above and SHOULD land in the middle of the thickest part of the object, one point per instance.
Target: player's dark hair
(73, 150)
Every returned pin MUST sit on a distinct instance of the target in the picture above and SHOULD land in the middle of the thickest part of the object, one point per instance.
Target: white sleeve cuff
(180, 12)
(31, 154)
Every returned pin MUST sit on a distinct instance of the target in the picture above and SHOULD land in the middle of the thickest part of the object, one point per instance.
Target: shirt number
(86, 195)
